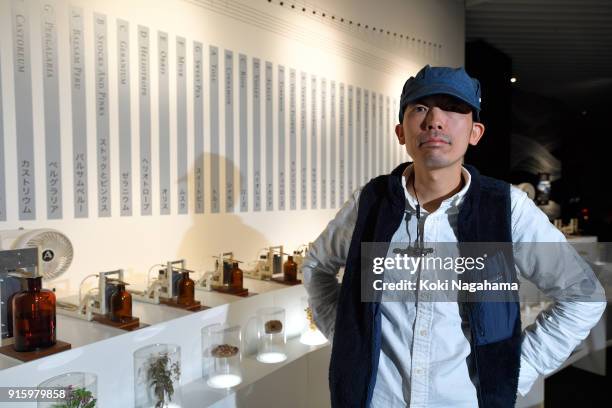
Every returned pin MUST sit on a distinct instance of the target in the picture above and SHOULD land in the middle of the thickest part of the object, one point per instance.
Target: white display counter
(111, 357)
(300, 381)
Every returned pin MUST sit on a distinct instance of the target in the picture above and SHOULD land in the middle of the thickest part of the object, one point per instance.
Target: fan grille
(55, 253)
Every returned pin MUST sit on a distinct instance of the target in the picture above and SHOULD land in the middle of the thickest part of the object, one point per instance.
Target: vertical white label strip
(244, 143)
(229, 130)
(2, 175)
(102, 118)
(23, 111)
(164, 123)
(390, 139)
(292, 142)
(281, 137)
(269, 139)
(374, 139)
(333, 143)
(214, 128)
(359, 168)
(303, 143)
(256, 134)
(144, 98)
(382, 138)
(342, 147)
(198, 127)
(323, 132)
(181, 126)
(79, 116)
(313, 142)
(351, 143)
(125, 118)
(367, 148)
(52, 117)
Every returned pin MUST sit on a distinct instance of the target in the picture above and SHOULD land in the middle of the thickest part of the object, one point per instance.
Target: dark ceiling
(559, 48)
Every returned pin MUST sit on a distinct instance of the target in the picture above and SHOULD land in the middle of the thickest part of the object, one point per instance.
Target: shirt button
(419, 371)
(423, 333)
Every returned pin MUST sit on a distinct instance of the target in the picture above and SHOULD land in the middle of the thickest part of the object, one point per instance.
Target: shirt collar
(453, 201)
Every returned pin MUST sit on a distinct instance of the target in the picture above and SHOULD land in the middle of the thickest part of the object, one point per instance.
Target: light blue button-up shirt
(425, 345)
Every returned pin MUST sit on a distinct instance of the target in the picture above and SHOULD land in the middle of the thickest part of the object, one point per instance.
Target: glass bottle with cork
(121, 303)
(186, 289)
(290, 270)
(237, 277)
(33, 313)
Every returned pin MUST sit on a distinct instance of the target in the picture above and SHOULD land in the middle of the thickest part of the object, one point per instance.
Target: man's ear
(399, 132)
(477, 132)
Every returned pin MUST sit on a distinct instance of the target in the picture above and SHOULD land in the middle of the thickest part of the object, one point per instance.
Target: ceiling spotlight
(513, 79)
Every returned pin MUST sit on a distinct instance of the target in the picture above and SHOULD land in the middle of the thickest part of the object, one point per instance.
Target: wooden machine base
(26, 356)
(195, 307)
(288, 283)
(132, 324)
(228, 290)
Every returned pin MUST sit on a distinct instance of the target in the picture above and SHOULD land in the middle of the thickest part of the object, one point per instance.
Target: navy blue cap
(441, 80)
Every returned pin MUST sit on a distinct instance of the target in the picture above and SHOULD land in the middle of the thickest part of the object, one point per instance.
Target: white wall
(295, 39)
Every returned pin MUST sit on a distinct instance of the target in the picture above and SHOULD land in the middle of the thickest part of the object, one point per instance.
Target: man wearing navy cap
(439, 354)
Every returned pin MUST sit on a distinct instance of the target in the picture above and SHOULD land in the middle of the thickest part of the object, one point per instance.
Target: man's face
(437, 131)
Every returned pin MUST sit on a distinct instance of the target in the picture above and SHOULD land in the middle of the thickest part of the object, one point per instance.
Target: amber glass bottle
(121, 304)
(236, 276)
(34, 323)
(186, 290)
(290, 270)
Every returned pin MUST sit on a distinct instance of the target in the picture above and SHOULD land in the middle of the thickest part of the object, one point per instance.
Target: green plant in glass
(77, 398)
(160, 377)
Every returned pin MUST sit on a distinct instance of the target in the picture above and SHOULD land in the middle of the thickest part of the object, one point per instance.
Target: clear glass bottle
(271, 335)
(290, 270)
(121, 304)
(237, 277)
(186, 290)
(157, 375)
(221, 355)
(34, 325)
(81, 390)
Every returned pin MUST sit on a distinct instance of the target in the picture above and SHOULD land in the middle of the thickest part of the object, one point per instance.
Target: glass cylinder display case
(271, 335)
(76, 390)
(157, 374)
(33, 313)
(221, 355)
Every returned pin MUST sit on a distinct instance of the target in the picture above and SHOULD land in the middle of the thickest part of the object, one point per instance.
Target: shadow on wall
(213, 233)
